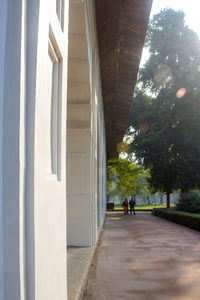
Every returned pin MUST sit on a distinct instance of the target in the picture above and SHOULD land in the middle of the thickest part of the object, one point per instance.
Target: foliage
(151, 146)
(189, 202)
(182, 218)
(174, 50)
(167, 123)
(143, 187)
(122, 175)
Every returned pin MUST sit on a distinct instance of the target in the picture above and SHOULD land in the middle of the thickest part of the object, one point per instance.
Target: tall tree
(123, 175)
(167, 125)
(174, 54)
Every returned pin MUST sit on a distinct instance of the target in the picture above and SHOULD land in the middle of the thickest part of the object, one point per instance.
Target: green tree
(122, 175)
(151, 144)
(167, 125)
(143, 188)
(174, 54)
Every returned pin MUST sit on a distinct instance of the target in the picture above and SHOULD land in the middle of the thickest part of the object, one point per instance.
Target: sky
(191, 8)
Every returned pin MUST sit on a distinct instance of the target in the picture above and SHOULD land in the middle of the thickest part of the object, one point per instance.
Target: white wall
(97, 117)
(33, 209)
(50, 155)
(85, 136)
(18, 130)
(11, 148)
(49, 151)
(27, 141)
(3, 18)
(33, 213)
(79, 205)
(102, 169)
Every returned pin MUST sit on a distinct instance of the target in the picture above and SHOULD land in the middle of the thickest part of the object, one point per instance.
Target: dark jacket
(132, 203)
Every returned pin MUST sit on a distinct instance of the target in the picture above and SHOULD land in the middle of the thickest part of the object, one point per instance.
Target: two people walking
(131, 203)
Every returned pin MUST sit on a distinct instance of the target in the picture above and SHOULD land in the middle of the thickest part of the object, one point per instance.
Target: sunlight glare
(122, 147)
(181, 92)
(162, 74)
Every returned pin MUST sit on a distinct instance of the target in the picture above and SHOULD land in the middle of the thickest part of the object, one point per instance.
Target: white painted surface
(22, 126)
(3, 18)
(15, 276)
(11, 148)
(79, 206)
(27, 127)
(97, 118)
(85, 137)
(50, 183)
(33, 214)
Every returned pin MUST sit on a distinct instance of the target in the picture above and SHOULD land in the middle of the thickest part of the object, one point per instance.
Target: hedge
(183, 218)
(189, 202)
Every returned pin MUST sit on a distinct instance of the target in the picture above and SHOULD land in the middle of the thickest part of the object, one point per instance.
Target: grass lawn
(119, 207)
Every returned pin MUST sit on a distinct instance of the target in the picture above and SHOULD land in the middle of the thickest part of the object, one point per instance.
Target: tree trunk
(168, 199)
(148, 200)
(161, 198)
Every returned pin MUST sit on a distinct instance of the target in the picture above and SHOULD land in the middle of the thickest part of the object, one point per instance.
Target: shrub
(183, 218)
(189, 202)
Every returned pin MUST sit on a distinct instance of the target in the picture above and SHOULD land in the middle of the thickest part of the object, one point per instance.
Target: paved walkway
(78, 263)
(143, 257)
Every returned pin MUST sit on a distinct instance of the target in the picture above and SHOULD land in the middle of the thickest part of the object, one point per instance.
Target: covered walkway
(144, 257)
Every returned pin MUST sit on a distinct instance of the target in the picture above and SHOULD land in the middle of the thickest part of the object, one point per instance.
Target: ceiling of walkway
(121, 28)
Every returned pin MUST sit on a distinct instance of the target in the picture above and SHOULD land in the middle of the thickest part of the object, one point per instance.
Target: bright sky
(191, 8)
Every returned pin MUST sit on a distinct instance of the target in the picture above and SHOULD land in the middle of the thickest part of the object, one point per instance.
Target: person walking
(125, 206)
(132, 206)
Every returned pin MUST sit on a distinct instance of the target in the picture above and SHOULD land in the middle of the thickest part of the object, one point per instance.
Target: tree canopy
(174, 54)
(167, 123)
(123, 175)
(126, 179)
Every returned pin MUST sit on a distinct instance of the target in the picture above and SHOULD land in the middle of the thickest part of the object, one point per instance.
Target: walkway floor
(78, 263)
(145, 257)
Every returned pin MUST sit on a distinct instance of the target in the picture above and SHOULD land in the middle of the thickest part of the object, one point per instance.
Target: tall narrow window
(55, 118)
(60, 11)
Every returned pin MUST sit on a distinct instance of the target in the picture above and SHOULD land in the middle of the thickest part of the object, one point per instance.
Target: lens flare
(122, 147)
(144, 127)
(181, 92)
(162, 74)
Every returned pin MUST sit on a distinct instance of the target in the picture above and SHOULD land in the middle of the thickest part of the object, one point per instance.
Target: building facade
(52, 141)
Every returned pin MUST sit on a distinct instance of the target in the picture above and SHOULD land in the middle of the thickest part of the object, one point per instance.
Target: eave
(121, 29)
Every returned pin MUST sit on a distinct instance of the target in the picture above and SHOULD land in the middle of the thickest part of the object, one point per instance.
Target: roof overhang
(121, 28)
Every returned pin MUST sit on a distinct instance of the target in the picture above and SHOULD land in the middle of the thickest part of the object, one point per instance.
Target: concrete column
(79, 139)
(27, 156)
(10, 151)
(79, 205)
(3, 27)
(84, 108)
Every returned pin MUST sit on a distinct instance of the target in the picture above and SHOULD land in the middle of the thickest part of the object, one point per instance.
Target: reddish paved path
(144, 257)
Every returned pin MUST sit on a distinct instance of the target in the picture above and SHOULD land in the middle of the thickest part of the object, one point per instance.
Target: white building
(52, 130)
